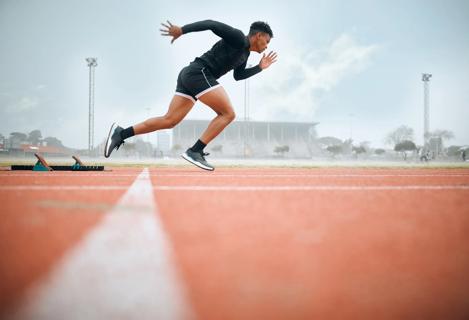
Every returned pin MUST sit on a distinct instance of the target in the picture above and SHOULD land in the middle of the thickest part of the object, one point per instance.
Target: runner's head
(259, 36)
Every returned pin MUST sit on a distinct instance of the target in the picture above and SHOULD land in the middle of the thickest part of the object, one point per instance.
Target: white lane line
(308, 188)
(56, 174)
(121, 270)
(308, 175)
(60, 187)
(241, 188)
(242, 175)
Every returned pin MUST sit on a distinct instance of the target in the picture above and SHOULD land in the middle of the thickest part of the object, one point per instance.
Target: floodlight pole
(246, 113)
(426, 110)
(351, 125)
(245, 119)
(92, 63)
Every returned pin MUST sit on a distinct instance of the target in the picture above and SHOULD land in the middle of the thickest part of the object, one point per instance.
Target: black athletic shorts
(194, 81)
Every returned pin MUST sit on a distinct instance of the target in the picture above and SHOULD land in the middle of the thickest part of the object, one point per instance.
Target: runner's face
(262, 40)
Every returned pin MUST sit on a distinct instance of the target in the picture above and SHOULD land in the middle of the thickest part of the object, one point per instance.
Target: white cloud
(298, 80)
(23, 104)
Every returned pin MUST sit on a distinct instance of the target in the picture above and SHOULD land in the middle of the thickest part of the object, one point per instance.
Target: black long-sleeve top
(230, 53)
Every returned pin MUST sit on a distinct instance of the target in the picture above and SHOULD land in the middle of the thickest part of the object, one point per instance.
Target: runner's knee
(230, 116)
(170, 122)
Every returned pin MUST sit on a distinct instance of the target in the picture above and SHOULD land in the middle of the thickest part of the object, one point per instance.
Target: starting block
(42, 165)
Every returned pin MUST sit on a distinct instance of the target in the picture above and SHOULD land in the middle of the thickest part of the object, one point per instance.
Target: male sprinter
(199, 81)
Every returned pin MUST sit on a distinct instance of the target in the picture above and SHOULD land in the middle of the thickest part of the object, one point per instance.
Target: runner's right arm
(234, 37)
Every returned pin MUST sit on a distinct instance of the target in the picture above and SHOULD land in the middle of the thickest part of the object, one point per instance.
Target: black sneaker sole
(198, 164)
(108, 141)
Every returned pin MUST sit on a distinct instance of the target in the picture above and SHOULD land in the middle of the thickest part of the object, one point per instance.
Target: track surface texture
(236, 243)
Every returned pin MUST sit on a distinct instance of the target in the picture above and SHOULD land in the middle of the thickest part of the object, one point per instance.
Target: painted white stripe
(185, 96)
(120, 270)
(55, 174)
(207, 90)
(307, 188)
(241, 188)
(244, 175)
(59, 188)
(241, 175)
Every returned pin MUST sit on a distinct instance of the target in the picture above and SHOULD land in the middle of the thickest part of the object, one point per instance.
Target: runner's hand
(266, 61)
(171, 30)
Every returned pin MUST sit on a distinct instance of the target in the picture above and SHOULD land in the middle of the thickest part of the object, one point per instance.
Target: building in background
(251, 138)
(3, 142)
(163, 140)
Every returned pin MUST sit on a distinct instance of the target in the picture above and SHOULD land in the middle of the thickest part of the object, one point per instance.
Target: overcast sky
(353, 66)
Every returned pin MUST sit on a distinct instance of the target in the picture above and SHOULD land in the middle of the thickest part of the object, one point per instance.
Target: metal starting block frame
(42, 165)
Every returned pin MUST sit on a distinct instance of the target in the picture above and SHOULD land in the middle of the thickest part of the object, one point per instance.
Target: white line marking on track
(55, 174)
(307, 188)
(59, 188)
(307, 175)
(120, 270)
(241, 188)
(241, 175)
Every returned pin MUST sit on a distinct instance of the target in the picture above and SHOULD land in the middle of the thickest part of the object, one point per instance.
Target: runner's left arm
(241, 72)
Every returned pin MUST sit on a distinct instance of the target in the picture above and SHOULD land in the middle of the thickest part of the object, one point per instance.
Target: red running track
(263, 243)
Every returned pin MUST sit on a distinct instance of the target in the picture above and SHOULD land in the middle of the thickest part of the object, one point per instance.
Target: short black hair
(260, 26)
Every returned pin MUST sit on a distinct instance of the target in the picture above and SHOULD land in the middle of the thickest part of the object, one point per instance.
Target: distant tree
(35, 137)
(17, 138)
(53, 141)
(399, 135)
(453, 151)
(405, 146)
(365, 144)
(282, 149)
(358, 150)
(348, 142)
(329, 141)
(335, 149)
(22, 137)
(380, 151)
(347, 146)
